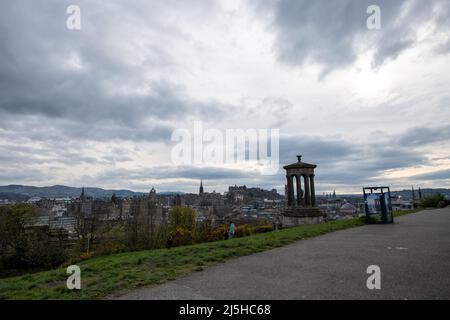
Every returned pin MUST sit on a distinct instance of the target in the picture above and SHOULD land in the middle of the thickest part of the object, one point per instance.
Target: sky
(97, 106)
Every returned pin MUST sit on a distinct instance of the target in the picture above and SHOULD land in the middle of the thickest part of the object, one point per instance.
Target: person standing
(169, 242)
(232, 229)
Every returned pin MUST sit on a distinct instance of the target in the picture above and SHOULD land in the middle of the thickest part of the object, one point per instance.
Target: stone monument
(301, 199)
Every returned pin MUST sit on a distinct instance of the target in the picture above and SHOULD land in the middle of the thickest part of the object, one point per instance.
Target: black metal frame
(386, 214)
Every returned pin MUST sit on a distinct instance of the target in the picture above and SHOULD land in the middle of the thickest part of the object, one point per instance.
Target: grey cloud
(435, 175)
(35, 80)
(44, 100)
(340, 162)
(168, 172)
(331, 32)
(21, 156)
(318, 148)
(349, 163)
(419, 136)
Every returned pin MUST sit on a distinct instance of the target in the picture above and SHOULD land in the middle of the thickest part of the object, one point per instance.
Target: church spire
(82, 196)
(200, 191)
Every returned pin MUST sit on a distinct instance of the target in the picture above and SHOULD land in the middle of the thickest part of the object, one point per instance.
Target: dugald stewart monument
(301, 196)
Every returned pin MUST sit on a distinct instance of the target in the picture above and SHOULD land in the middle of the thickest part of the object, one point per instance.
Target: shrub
(86, 255)
(41, 252)
(262, 229)
(109, 247)
(182, 217)
(217, 233)
(182, 236)
(11, 261)
(203, 232)
(432, 201)
(111, 240)
(23, 245)
(243, 230)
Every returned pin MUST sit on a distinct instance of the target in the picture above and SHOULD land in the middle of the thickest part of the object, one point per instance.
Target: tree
(432, 201)
(181, 217)
(23, 244)
(13, 218)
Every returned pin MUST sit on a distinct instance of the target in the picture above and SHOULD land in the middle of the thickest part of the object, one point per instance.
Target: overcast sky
(97, 106)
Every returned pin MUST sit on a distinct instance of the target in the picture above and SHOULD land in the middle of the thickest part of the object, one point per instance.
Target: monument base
(297, 216)
(302, 212)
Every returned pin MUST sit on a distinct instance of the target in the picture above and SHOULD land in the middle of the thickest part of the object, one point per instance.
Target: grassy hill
(118, 273)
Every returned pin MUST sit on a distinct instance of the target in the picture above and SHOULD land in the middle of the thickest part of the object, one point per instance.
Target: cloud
(345, 163)
(98, 106)
(93, 83)
(333, 34)
(418, 136)
(435, 175)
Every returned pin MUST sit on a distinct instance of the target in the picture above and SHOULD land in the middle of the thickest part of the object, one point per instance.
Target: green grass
(403, 212)
(119, 273)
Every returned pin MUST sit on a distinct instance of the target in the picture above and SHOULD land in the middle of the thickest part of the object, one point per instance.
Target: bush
(24, 246)
(109, 247)
(262, 229)
(182, 236)
(111, 240)
(182, 217)
(203, 231)
(217, 233)
(433, 201)
(242, 230)
(41, 254)
(442, 204)
(11, 261)
(86, 255)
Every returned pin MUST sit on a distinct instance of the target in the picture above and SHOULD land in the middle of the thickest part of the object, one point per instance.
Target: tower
(152, 194)
(301, 195)
(200, 191)
(82, 196)
(300, 171)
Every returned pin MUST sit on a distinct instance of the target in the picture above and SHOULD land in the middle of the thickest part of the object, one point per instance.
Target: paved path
(413, 254)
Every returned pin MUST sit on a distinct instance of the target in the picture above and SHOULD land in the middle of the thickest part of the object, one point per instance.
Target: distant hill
(428, 191)
(405, 194)
(23, 193)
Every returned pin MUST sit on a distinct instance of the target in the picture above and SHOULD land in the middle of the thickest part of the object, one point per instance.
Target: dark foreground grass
(119, 273)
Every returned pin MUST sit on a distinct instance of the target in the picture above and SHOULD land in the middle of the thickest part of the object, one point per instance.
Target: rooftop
(299, 164)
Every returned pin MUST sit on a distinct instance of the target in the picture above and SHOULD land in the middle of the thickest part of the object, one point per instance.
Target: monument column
(290, 188)
(299, 189)
(307, 191)
(313, 191)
